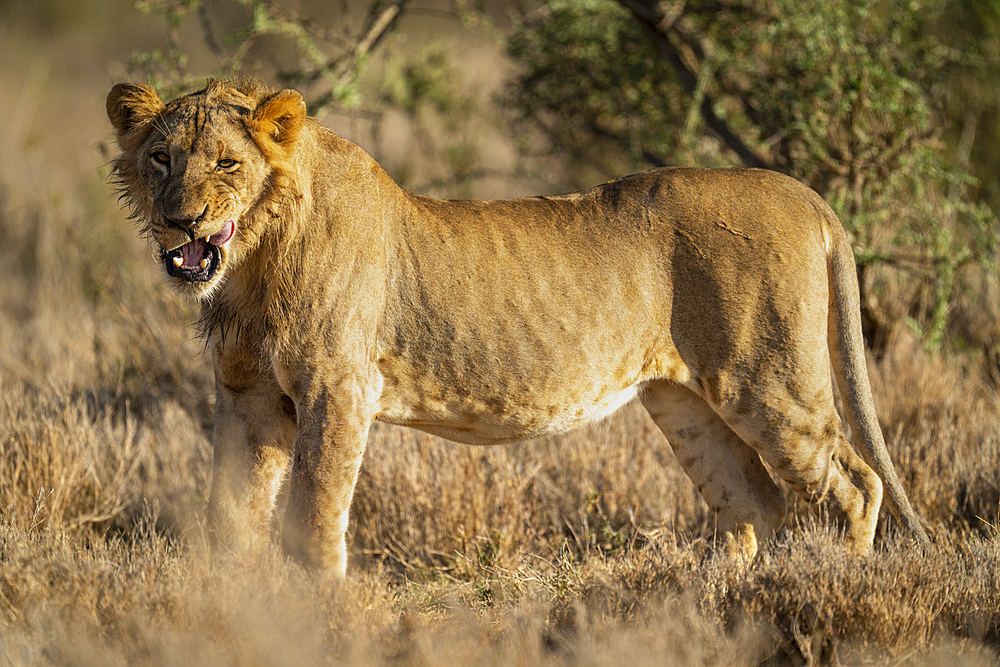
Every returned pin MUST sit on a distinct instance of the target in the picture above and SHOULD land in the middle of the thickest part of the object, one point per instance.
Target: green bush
(837, 93)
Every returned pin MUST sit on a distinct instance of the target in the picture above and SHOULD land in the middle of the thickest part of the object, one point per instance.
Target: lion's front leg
(329, 446)
(254, 430)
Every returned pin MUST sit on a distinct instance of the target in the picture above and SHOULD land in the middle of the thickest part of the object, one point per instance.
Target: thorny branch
(380, 23)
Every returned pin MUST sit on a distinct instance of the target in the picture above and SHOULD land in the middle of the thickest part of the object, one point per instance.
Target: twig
(39, 504)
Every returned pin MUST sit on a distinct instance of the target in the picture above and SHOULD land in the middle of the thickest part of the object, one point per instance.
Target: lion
(332, 298)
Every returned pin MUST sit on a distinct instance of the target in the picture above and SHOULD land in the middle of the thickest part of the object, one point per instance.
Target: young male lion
(332, 298)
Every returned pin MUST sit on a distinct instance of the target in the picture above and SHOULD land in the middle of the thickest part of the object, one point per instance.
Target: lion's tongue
(222, 236)
(193, 255)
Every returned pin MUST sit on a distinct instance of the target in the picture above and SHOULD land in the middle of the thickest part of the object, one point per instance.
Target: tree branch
(657, 26)
(340, 70)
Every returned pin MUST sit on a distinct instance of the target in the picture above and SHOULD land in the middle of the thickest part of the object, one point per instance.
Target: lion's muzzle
(198, 260)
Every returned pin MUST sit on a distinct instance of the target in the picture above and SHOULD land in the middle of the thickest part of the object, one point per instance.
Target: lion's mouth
(197, 261)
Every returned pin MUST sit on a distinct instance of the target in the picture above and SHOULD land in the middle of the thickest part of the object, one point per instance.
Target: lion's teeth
(204, 263)
(178, 261)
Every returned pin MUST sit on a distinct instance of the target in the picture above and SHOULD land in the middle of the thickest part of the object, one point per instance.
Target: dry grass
(592, 548)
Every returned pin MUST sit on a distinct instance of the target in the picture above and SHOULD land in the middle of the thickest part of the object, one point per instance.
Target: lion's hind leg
(805, 445)
(729, 474)
(839, 477)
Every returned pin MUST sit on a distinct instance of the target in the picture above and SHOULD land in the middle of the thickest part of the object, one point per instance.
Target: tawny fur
(717, 297)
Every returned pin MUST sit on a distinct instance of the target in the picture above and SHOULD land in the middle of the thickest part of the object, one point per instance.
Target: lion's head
(202, 172)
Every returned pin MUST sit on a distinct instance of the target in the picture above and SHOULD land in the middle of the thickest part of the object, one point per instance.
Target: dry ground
(592, 548)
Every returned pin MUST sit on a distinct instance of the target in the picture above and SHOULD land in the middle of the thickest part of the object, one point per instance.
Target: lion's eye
(226, 163)
(160, 157)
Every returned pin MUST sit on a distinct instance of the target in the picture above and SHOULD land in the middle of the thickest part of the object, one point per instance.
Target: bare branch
(341, 69)
(378, 28)
(207, 33)
(658, 27)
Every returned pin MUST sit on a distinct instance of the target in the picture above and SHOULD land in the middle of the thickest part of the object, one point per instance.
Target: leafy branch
(327, 63)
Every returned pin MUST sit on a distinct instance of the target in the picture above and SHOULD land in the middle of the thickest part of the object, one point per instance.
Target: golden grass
(152, 600)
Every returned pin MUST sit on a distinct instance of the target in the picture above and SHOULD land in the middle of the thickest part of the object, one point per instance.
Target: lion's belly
(476, 421)
(495, 399)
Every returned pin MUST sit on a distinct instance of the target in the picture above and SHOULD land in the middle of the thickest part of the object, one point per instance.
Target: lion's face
(195, 169)
(200, 184)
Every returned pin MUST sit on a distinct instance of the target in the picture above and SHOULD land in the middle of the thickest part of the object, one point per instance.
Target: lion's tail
(848, 356)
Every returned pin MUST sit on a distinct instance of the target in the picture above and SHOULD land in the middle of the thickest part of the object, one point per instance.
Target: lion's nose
(185, 223)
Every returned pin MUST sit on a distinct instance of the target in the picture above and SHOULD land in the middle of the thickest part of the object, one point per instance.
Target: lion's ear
(280, 118)
(130, 106)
